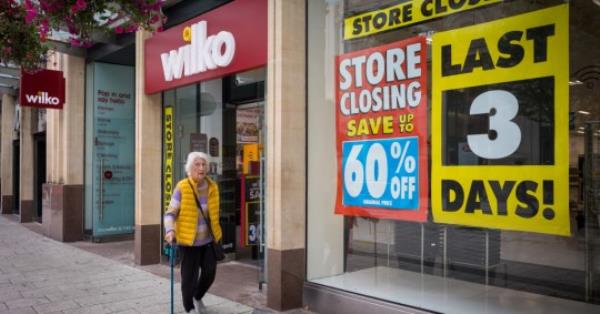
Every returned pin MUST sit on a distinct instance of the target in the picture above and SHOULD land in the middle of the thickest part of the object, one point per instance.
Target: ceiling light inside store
(576, 82)
(581, 132)
(207, 104)
(250, 77)
(583, 112)
(428, 35)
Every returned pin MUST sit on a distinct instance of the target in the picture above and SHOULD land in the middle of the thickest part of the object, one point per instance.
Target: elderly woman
(185, 223)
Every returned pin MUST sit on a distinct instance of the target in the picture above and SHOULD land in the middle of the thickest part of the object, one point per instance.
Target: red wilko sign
(43, 89)
(226, 40)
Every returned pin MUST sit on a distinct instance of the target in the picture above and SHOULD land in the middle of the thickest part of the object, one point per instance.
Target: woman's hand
(170, 237)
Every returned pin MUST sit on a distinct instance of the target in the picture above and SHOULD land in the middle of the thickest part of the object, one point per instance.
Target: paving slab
(40, 275)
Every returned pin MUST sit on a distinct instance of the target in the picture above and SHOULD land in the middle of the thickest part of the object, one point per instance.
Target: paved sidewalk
(40, 275)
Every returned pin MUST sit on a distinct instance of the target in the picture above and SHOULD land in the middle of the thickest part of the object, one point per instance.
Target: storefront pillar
(286, 154)
(26, 169)
(6, 167)
(62, 196)
(147, 165)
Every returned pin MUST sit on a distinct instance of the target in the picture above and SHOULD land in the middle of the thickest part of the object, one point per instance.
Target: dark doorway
(16, 175)
(39, 172)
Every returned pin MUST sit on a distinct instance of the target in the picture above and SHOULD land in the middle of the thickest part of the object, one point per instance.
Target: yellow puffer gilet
(187, 220)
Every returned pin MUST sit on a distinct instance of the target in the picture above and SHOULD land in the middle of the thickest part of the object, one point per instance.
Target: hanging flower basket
(26, 25)
(20, 43)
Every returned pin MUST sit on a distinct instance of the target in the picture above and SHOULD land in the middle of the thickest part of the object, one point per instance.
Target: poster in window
(168, 153)
(251, 198)
(381, 131)
(500, 135)
(198, 142)
(247, 124)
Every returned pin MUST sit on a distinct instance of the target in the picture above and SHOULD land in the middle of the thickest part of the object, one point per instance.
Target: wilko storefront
(452, 157)
(210, 73)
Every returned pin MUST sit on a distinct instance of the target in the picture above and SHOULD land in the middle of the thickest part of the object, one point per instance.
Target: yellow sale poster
(169, 150)
(500, 135)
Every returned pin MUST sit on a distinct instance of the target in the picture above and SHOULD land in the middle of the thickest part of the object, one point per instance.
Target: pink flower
(6, 51)
(43, 29)
(81, 4)
(75, 42)
(45, 6)
(119, 30)
(154, 18)
(71, 26)
(30, 12)
(131, 28)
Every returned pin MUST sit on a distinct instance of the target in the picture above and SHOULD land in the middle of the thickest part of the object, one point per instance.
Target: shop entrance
(223, 118)
(244, 124)
(39, 173)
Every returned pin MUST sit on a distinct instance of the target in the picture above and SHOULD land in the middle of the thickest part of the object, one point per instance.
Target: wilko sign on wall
(43, 89)
(229, 39)
(201, 55)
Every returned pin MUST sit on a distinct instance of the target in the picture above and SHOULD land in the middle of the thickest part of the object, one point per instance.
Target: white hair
(190, 160)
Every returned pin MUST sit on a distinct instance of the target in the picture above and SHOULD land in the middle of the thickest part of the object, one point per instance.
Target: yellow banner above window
(405, 14)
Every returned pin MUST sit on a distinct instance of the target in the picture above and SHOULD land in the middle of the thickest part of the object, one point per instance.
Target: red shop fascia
(229, 39)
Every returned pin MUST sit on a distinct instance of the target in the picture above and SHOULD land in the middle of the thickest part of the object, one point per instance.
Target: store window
(453, 153)
(109, 151)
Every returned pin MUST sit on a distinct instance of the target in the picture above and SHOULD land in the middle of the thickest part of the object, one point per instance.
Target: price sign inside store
(381, 131)
(500, 135)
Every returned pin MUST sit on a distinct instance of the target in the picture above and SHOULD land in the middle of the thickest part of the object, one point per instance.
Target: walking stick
(172, 263)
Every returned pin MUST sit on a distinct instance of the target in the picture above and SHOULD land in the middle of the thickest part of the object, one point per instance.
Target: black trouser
(193, 260)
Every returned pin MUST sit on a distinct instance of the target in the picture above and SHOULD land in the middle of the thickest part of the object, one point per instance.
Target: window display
(447, 155)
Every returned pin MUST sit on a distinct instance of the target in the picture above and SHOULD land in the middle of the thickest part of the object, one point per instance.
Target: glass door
(250, 142)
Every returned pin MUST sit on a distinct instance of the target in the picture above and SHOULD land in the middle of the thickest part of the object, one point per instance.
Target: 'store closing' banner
(500, 153)
(381, 126)
(405, 13)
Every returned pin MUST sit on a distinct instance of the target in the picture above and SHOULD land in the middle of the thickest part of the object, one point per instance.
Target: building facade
(137, 104)
(372, 156)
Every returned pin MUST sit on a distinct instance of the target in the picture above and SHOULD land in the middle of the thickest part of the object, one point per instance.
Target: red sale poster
(381, 131)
